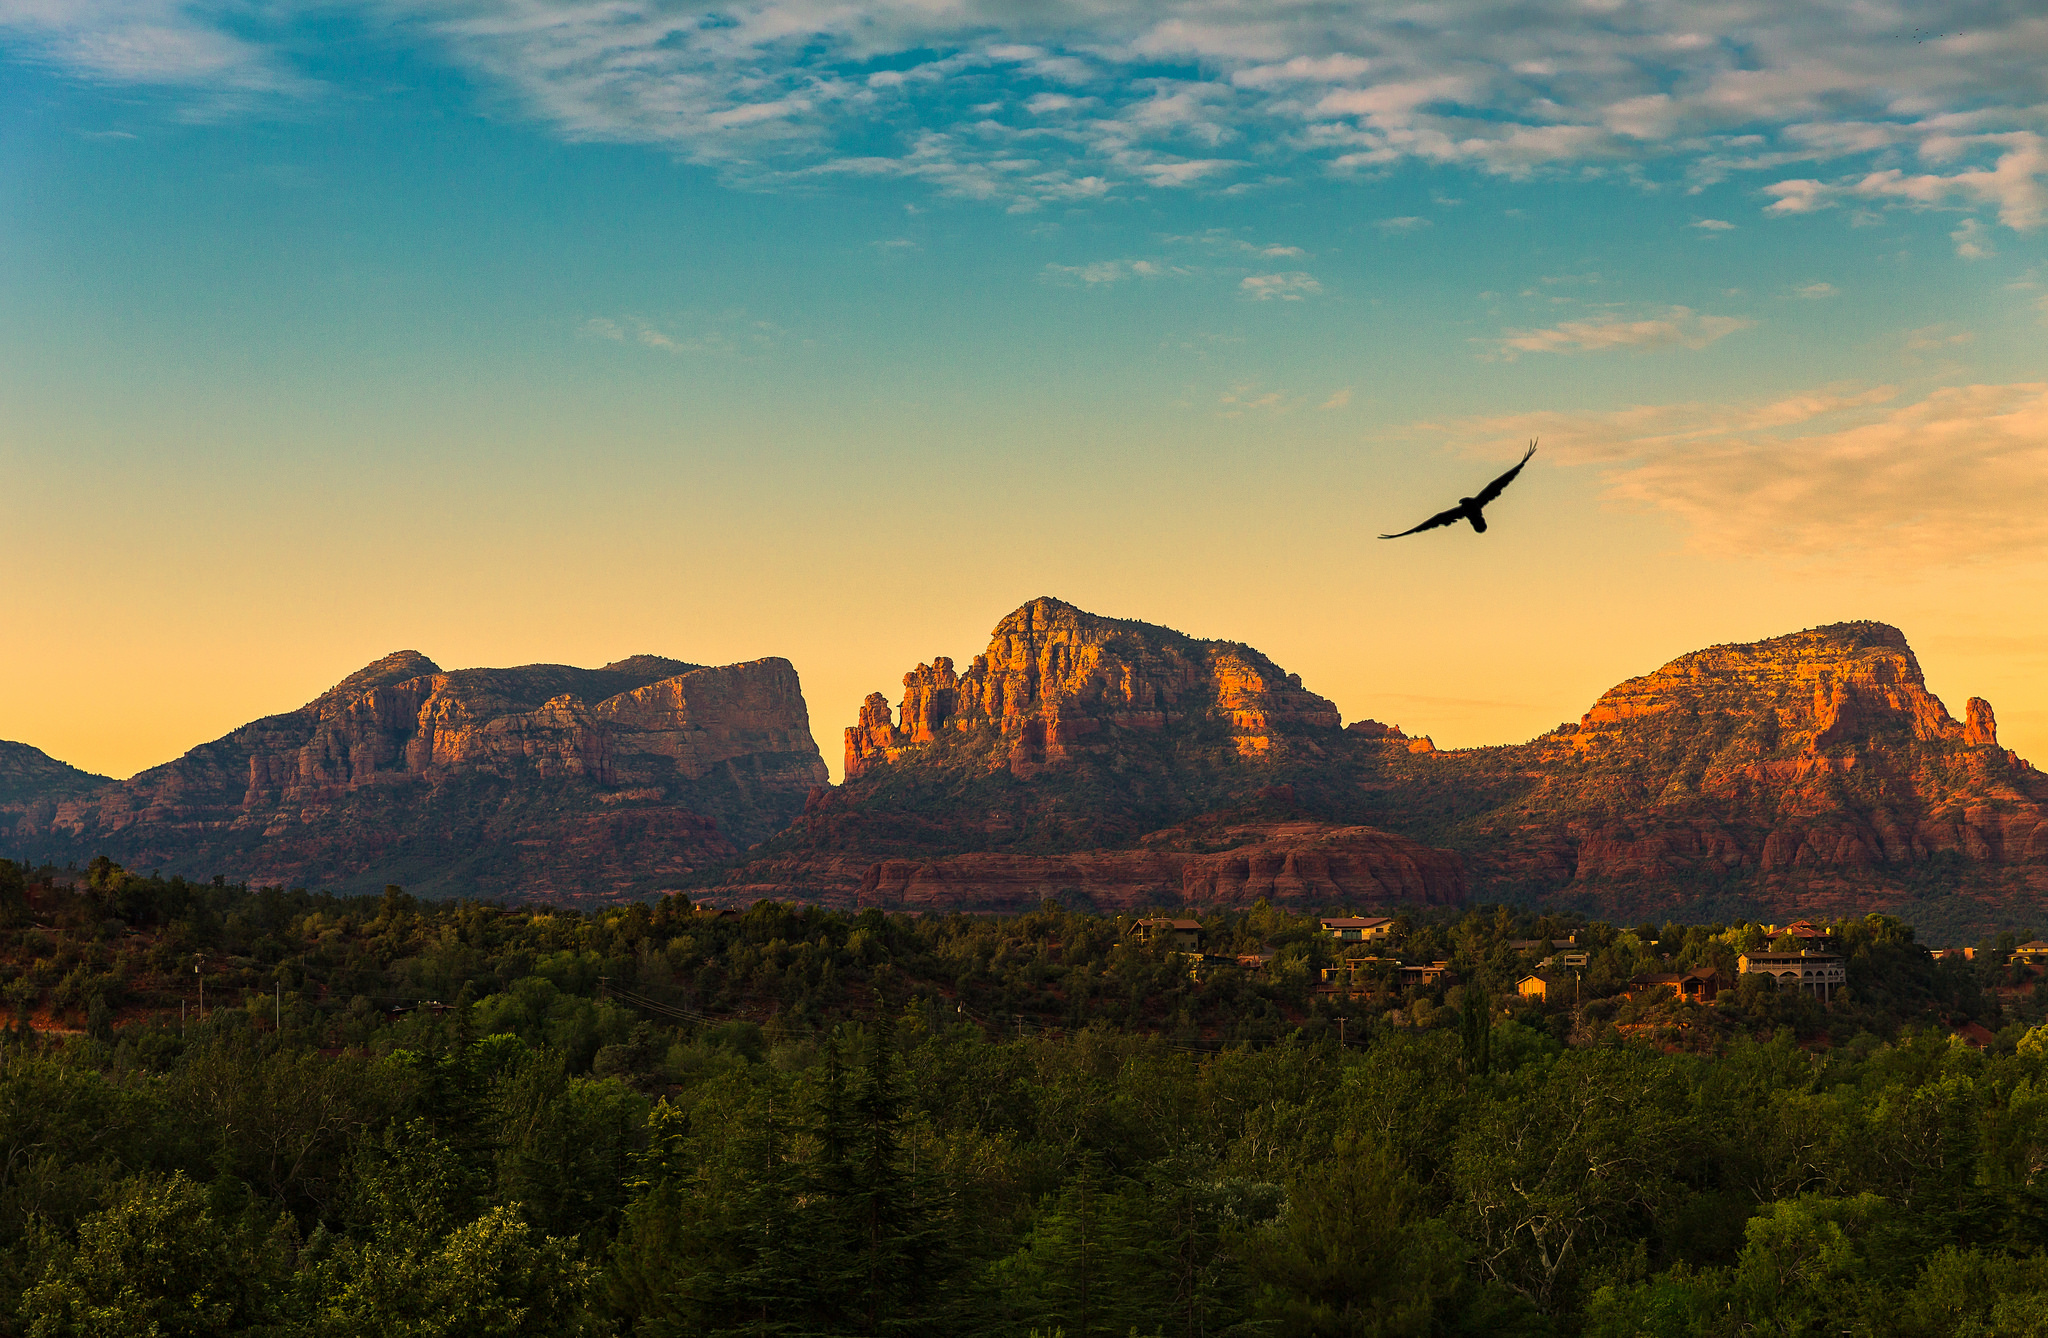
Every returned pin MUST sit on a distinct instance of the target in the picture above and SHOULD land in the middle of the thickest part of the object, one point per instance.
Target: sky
(518, 331)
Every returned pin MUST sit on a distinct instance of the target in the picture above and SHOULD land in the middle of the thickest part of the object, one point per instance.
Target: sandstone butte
(545, 781)
(1814, 771)
(1117, 764)
(1105, 762)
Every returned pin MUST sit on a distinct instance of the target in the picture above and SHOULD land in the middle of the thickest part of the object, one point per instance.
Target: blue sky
(515, 330)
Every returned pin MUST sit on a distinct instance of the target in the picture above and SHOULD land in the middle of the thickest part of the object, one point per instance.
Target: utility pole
(1340, 1031)
(202, 986)
(279, 985)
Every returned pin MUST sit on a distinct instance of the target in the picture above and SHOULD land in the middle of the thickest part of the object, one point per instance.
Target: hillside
(28, 774)
(539, 781)
(1103, 762)
(1806, 774)
(1802, 774)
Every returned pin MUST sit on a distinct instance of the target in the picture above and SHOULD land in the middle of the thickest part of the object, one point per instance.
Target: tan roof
(1356, 922)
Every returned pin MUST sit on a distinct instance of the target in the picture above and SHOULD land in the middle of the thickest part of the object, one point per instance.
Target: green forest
(230, 1110)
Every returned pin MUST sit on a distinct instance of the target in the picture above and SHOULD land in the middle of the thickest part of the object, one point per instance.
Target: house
(1955, 954)
(1973, 1034)
(2033, 953)
(1183, 935)
(1539, 986)
(1255, 962)
(1539, 944)
(1354, 929)
(1574, 961)
(1355, 975)
(1809, 934)
(1702, 984)
(1436, 973)
(1817, 973)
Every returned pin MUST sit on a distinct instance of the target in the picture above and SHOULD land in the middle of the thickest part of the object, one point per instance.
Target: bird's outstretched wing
(1495, 488)
(1452, 516)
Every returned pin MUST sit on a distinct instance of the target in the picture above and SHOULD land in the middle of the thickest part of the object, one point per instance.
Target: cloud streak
(1078, 99)
(1678, 327)
(1851, 476)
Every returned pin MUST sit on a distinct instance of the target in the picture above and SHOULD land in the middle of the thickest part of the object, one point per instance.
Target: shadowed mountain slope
(28, 774)
(544, 780)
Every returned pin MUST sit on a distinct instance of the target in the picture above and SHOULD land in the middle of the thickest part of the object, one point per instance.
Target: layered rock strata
(1056, 684)
(542, 780)
(1815, 764)
(1288, 863)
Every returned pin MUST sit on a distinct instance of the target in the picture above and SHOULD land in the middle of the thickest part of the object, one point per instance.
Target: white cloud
(1677, 327)
(1934, 338)
(1714, 224)
(1241, 400)
(1971, 242)
(1405, 223)
(1292, 286)
(1223, 239)
(1951, 477)
(1340, 400)
(1099, 272)
(150, 42)
(1066, 99)
(725, 333)
(1815, 291)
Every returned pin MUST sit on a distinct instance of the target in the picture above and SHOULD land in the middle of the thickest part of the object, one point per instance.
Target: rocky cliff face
(1808, 773)
(1057, 684)
(1812, 770)
(541, 780)
(1059, 763)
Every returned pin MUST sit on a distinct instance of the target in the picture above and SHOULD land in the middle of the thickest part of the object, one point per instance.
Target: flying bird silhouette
(1470, 508)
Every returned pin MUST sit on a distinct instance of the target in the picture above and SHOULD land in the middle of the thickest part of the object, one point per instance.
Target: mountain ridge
(528, 781)
(1812, 771)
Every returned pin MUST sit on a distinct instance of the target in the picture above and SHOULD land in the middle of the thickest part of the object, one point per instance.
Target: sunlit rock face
(1056, 683)
(1807, 772)
(544, 780)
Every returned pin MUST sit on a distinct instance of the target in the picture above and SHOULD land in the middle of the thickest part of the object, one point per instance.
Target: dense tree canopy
(396, 1117)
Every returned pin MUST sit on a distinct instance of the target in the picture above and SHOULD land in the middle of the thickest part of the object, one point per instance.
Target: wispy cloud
(1241, 400)
(1972, 240)
(1714, 225)
(1077, 99)
(1292, 286)
(1950, 477)
(1678, 327)
(150, 42)
(1815, 291)
(1404, 223)
(1099, 272)
(1935, 338)
(732, 332)
(1339, 400)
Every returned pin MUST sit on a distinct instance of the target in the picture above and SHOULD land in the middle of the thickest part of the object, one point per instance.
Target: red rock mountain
(1106, 762)
(30, 774)
(1810, 772)
(1059, 684)
(545, 780)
